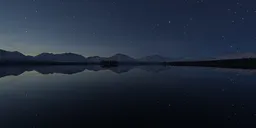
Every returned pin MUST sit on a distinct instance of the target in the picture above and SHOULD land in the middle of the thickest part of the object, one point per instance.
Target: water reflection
(98, 97)
(18, 70)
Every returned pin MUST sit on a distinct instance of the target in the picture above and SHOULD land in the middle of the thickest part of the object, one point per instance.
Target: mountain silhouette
(94, 59)
(13, 56)
(121, 58)
(65, 57)
(7, 56)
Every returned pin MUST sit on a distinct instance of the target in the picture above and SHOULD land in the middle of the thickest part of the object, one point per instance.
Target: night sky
(174, 28)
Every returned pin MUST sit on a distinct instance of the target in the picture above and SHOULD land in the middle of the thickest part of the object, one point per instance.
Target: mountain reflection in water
(18, 70)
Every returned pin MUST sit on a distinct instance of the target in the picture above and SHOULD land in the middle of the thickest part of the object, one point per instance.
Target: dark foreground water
(51, 97)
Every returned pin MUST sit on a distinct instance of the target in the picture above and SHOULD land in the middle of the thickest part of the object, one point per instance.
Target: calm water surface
(148, 97)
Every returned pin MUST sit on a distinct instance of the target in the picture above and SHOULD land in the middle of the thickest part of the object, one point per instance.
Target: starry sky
(173, 28)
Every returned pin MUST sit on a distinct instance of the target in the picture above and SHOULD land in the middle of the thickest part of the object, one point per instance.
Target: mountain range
(65, 57)
(72, 57)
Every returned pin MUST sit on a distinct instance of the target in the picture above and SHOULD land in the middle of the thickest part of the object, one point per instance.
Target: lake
(150, 96)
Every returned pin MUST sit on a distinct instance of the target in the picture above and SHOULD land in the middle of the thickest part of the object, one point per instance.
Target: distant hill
(94, 59)
(13, 56)
(121, 58)
(65, 57)
(17, 56)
